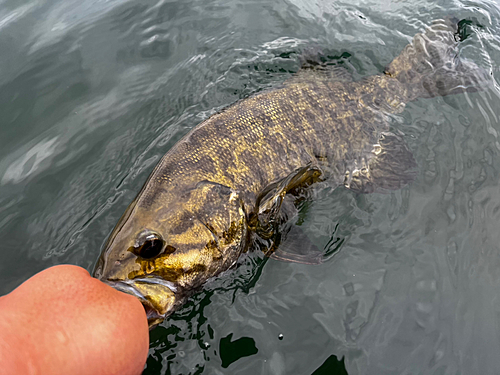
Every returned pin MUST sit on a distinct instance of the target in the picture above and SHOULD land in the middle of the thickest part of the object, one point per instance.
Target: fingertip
(129, 327)
(105, 330)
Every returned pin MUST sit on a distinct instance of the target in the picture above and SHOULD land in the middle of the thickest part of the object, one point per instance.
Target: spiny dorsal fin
(316, 65)
(321, 73)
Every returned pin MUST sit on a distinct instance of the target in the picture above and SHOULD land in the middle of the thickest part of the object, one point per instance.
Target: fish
(237, 176)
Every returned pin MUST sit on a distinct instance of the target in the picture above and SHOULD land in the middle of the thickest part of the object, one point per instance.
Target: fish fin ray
(321, 73)
(297, 247)
(429, 66)
(270, 201)
(392, 167)
(316, 66)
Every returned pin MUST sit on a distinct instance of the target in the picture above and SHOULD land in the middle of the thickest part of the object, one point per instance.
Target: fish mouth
(156, 295)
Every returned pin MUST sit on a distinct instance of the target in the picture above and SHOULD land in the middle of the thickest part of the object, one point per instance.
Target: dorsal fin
(333, 73)
(327, 73)
(316, 65)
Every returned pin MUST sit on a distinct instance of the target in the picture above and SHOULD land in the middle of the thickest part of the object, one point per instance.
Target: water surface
(93, 93)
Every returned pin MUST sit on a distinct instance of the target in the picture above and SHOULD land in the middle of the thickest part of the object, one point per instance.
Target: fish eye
(149, 245)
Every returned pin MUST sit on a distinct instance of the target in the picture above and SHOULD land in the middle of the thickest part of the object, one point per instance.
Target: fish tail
(429, 66)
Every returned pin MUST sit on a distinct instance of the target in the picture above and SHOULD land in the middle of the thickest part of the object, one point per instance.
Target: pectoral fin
(296, 247)
(269, 203)
(275, 207)
(391, 167)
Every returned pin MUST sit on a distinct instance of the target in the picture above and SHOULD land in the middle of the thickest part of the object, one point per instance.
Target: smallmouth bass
(232, 176)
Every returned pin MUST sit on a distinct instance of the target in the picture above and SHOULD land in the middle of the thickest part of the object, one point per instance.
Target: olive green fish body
(229, 175)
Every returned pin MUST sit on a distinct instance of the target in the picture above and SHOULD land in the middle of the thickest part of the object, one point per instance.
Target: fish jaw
(156, 295)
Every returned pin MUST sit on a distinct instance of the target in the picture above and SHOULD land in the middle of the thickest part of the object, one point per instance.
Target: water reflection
(30, 161)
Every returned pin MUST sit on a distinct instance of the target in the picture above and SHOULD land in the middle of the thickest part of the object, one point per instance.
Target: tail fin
(429, 66)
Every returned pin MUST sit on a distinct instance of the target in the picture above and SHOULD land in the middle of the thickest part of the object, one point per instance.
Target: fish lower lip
(157, 298)
(124, 287)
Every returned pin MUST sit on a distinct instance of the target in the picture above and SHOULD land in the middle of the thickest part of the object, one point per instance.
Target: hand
(62, 321)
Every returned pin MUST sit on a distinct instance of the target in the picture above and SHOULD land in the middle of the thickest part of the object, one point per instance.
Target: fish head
(161, 252)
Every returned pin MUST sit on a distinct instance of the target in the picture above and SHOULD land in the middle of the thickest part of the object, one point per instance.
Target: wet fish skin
(204, 200)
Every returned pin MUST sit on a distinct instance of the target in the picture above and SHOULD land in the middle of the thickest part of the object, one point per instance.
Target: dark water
(93, 93)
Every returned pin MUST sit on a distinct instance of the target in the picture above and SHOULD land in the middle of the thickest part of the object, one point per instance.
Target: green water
(93, 93)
